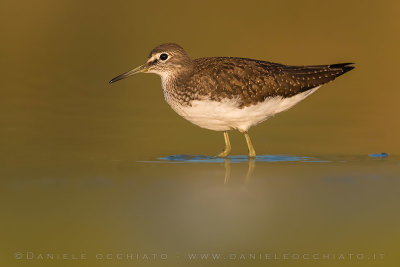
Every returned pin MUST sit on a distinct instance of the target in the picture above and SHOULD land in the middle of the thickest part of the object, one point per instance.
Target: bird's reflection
(227, 166)
(250, 169)
(228, 161)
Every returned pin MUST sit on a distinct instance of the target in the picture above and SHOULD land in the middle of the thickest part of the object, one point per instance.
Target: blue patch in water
(192, 158)
(238, 159)
(379, 155)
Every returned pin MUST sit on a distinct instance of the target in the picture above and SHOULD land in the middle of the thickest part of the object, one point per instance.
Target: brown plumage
(253, 81)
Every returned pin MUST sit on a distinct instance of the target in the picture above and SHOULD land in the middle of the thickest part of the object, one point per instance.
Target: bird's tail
(345, 67)
(303, 78)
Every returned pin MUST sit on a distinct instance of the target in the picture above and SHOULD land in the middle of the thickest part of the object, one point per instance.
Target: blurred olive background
(59, 56)
(72, 145)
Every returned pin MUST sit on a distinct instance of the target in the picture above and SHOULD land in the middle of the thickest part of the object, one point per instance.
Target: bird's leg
(252, 152)
(227, 149)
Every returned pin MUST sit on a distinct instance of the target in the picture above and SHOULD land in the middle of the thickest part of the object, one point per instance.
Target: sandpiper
(229, 93)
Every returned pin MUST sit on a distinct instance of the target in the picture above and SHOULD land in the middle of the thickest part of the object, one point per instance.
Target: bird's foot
(252, 153)
(223, 154)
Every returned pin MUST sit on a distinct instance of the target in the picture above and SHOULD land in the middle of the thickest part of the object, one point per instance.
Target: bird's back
(253, 81)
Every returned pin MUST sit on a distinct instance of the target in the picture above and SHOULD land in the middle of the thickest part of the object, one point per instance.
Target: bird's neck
(176, 80)
(174, 87)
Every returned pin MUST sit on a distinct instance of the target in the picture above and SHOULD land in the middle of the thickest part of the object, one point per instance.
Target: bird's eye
(163, 56)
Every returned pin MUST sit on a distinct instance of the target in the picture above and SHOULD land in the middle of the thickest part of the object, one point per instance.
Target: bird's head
(164, 60)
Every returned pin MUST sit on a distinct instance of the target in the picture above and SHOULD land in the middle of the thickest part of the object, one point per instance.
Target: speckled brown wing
(252, 81)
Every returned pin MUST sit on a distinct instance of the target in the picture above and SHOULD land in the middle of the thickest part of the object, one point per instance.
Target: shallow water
(181, 205)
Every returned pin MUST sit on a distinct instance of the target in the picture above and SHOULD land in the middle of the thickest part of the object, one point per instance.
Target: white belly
(226, 115)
